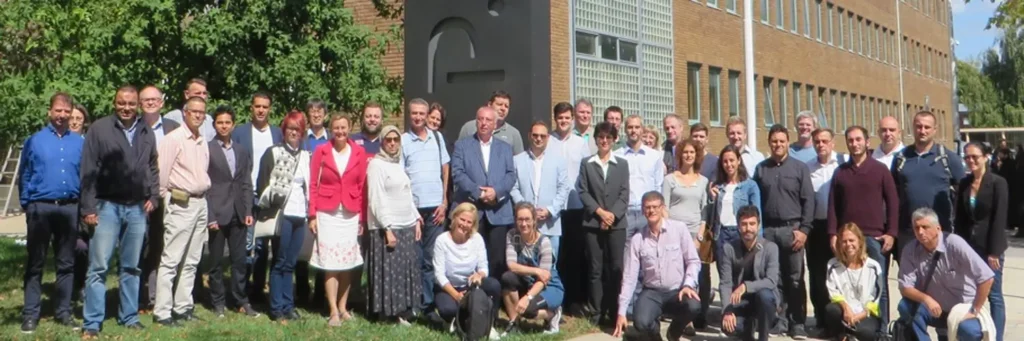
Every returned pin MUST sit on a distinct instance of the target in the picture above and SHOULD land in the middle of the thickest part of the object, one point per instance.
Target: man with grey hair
(940, 274)
(803, 148)
(584, 115)
(673, 126)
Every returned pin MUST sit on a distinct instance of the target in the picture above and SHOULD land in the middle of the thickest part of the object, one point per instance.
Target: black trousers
(865, 330)
(232, 236)
(56, 225)
(494, 239)
(819, 252)
(572, 264)
(302, 271)
(650, 305)
(448, 308)
(758, 306)
(149, 263)
(604, 249)
(258, 270)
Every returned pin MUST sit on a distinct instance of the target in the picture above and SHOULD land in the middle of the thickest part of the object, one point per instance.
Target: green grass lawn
(232, 327)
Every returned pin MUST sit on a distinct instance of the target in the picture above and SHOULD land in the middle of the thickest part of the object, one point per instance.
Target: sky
(969, 21)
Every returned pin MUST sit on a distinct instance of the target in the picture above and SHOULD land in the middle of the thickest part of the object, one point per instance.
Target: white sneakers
(554, 322)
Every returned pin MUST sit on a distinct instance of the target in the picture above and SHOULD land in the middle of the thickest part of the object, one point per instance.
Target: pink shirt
(669, 261)
(184, 160)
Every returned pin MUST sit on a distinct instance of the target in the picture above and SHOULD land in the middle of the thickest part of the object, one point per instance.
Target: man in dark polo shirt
(863, 192)
(367, 137)
(925, 174)
(787, 198)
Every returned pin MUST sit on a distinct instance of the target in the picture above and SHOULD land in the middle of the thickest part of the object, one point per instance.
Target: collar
(941, 246)
(54, 130)
(158, 123)
(416, 137)
(117, 123)
(261, 131)
(832, 159)
(323, 134)
(289, 148)
(190, 136)
(664, 228)
(629, 150)
(588, 132)
(534, 157)
(362, 136)
(225, 145)
(788, 157)
(482, 143)
(879, 153)
(746, 149)
(933, 150)
(597, 159)
(559, 136)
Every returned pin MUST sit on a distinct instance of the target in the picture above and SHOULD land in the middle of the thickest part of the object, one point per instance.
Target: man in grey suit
(484, 174)
(230, 207)
(543, 182)
(748, 279)
(604, 189)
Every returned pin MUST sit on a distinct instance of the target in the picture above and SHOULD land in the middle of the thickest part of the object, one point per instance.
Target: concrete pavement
(1013, 273)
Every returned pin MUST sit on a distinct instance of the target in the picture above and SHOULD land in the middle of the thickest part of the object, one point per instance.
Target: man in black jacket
(120, 187)
(230, 206)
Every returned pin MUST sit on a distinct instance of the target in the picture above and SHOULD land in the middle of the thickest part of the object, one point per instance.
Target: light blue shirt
(574, 150)
(803, 154)
(423, 159)
(129, 132)
(158, 129)
(646, 172)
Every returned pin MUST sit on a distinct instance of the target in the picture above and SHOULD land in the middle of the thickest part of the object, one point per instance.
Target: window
(903, 54)
(817, 23)
(885, 45)
(853, 109)
(918, 63)
(860, 35)
(693, 90)
(734, 93)
(713, 3)
(869, 113)
(792, 16)
(834, 106)
(606, 47)
(764, 12)
(846, 119)
(783, 102)
(931, 68)
(842, 31)
(807, 18)
(878, 43)
(730, 6)
(868, 40)
(797, 89)
(715, 94)
(810, 99)
(853, 29)
(586, 43)
(831, 28)
(769, 113)
(780, 21)
(822, 108)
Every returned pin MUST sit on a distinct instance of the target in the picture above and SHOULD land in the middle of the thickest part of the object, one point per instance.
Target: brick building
(841, 59)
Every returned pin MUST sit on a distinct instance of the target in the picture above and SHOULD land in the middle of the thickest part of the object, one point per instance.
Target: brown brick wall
(365, 14)
(561, 46)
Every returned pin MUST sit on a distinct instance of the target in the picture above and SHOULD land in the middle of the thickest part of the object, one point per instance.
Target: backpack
(476, 315)
(899, 159)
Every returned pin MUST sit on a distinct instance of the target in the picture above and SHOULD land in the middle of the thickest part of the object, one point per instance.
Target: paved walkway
(1013, 294)
(12, 225)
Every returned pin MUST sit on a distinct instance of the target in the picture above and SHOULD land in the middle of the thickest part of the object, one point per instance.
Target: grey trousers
(791, 273)
(185, 233)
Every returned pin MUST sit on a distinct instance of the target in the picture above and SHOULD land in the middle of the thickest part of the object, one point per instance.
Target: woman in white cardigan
(854, 284)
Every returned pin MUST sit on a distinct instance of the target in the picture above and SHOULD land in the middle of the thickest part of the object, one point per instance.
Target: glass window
(853, 109)
(842, 31)
(868, 51)
(860, 35)
(769, 113)
(833, 112)
(734, 93)
(586, 43)
(853, 28)
(797, 102)
(810, 99)
(817, 23)
(878, 42)
(693, 90)
(713, 3)
(792, 15)
(609, 47)
(730, 6)
(764, 11)
(715, 94)
(627, 51)
(783, 102)
(807, 18)
(780, 21)
(830, 28)
(846, 118)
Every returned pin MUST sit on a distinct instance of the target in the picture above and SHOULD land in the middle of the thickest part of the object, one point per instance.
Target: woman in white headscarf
(394, 228)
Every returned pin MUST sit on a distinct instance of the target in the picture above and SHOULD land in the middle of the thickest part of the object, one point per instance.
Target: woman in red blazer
(336, 213)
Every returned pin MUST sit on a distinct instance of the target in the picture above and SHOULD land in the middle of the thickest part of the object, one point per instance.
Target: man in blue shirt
(925, 174)
(316, 112)
(370, 129)
(646, 172)
(48, 184)
(803, 149)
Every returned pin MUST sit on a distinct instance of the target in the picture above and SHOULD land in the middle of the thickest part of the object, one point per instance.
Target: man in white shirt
(544, 182)
(818, 250)
(646, 172)
(574, 149)
(196, 87)
(584, 128)
(892, 141)
(736, 130)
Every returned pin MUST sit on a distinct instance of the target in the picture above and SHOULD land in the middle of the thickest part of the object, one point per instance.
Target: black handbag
(903, 329)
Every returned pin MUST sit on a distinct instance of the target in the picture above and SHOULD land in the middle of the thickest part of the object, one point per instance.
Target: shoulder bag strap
(927, 279)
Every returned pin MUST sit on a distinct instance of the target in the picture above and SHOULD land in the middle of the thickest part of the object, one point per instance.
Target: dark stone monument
(457, 52)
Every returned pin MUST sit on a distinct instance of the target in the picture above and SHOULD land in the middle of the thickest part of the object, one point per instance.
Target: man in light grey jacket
(749, 271)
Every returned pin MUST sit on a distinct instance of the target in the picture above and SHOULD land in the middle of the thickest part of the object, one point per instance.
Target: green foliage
(1008, 14)
(977, 92)
(993, 87)
(294, 50)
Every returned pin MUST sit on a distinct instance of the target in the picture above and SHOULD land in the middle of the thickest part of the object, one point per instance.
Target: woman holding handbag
(336, 201)
(686, 193)
(282, 186)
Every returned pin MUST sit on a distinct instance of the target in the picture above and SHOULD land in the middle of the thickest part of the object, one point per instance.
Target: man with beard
(500, 101)
(317, 135)
(748, 269)
(736, 131)
(196, 87)
(787, 197)
(367, 137)
(858, 187)
(803, 149)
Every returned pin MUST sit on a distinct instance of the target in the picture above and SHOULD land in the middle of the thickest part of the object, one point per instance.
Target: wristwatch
(529, 297)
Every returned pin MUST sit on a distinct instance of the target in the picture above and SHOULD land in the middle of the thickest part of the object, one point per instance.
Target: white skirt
(337, 241)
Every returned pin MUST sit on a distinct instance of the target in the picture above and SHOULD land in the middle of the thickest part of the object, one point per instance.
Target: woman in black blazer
(982, 206)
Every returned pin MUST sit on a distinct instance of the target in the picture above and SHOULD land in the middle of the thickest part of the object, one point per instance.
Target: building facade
(841, 59)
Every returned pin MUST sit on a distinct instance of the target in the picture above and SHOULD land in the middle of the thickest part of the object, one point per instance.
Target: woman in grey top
(685, 189)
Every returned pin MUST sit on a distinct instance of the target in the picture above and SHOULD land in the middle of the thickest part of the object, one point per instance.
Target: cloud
(958, 6)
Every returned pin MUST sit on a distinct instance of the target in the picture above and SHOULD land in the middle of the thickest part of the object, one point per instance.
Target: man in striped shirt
(184, 160)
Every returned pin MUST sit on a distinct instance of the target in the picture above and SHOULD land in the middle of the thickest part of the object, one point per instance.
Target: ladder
(9, 182)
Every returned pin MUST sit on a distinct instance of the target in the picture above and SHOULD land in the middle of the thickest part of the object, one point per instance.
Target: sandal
(335, 321)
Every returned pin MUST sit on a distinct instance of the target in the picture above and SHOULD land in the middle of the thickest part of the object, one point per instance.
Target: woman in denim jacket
(732, 189)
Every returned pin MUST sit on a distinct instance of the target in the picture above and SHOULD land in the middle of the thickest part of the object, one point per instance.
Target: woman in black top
(981, 211)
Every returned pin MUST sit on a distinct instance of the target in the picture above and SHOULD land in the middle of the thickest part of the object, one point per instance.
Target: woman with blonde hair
(336, 199)
(394, 224)
(650, 137)
(460, 260)
(854, 284)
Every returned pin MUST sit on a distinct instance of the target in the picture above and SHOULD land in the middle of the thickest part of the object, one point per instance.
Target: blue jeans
(123, 226)
(969, 330)
(874, 248)
(287, 245)
(996, 304)
(428, 236)
(555, 242)
(635, 222)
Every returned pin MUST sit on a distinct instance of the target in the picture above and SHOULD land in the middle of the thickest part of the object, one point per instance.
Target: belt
(59, 202)
(781, 222)
(190, 195)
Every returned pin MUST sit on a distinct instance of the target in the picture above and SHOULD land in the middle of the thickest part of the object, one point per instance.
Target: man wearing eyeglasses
(196, 87)
(152, 100)
(543, 181)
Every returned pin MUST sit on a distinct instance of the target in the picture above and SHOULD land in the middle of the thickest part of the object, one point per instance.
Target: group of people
(428, 225)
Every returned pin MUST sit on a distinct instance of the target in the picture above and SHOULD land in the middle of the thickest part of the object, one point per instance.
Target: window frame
(715, 94)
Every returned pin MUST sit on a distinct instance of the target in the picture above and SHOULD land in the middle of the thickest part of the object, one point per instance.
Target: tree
(294, 50)
(978, 93)
(1008, 14)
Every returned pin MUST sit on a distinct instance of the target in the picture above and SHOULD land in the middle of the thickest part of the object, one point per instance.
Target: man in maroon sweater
(863, 192)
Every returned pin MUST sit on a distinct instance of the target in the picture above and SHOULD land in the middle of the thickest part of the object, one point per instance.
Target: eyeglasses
(392, 139)
(539, 136)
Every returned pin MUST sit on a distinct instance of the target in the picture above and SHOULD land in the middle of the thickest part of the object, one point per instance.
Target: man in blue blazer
(255, 138)
(484, 175)
(543, 182)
